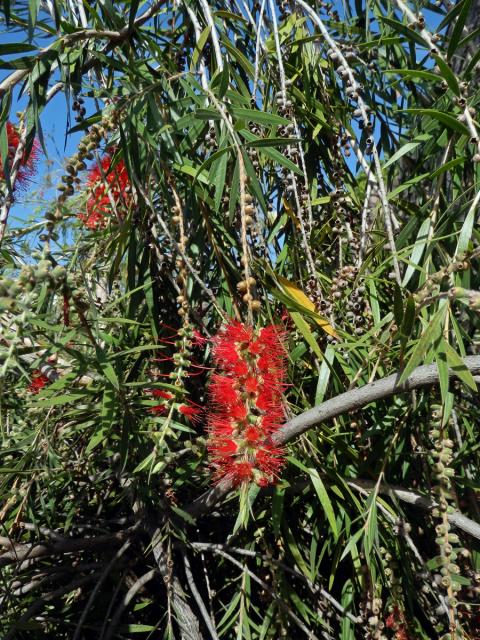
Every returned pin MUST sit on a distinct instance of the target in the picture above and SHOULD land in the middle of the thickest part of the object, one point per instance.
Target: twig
(85, 34)
(48, 597)
(128, 597)
(352, 400)
(96, 589)
(21, 552)
(185, 258)
(198, 33)
(187, 620)
(253, 554)
(257, 50)
(198, 597)
(423, 502)
(355, 399)
(213, 33)
(264, 585)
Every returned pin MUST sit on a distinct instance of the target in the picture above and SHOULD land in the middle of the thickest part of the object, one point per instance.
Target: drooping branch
(355, 399)
(352, 400)
(20, 552)
(423, 502)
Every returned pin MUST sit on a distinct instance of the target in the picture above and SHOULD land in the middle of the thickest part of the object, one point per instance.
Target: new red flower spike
(246, 403)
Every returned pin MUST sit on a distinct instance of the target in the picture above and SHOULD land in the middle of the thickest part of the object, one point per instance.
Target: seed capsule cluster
(294, 187)
(79, 109)
(182, 358)
(446, 539)
(371, 610)
(211, 138)
(88, 144)
(434, 282)
(30, 276)
(395, 618)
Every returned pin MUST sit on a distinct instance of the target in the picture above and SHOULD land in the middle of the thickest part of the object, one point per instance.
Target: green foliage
(359, 148)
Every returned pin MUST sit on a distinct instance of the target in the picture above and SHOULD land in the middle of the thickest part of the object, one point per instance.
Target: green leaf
(207, 114)
(408, 323)
(398, 305)
(10, 48)
(277, 510)
(55, 401)
(466, 232)
(406, 148)
(429, 336)
(261, 117)
(458, 28)
(458, 367)
(106, 368)
(417, 251)
(304, 329)
(404, 30)
(324, 373)
(447, 74)
(447, 119)
(324, 500)
(447, 166)
(272, 142)
(200, 44)
(443, 377)
(415, 73)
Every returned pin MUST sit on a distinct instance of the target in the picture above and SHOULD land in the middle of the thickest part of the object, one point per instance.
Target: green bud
(7, 304)
(58, 273)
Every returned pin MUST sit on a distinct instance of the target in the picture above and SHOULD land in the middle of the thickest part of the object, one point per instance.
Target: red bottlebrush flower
(159, 393)
(37, 382)
(241, 472)
(197, 339)
(225, 448)
(223, 390)
(269, 460)
(246, 403)
(28, 163)
(109, 188)
(160, 409)
(252, 435)
(251, 385)
(190, 411)
(396, 621)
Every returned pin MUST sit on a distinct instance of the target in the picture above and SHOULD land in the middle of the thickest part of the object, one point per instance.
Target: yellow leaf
(304, 301)
(291, 213)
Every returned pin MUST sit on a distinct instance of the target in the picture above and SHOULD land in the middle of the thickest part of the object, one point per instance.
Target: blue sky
(58, 145)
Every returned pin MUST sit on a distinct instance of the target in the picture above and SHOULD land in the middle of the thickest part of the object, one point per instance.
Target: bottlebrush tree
(239, 343)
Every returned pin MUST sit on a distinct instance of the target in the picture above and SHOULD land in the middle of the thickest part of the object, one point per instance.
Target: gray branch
(21, 552)
(352, 400)
(186, 619)
(355, 399)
